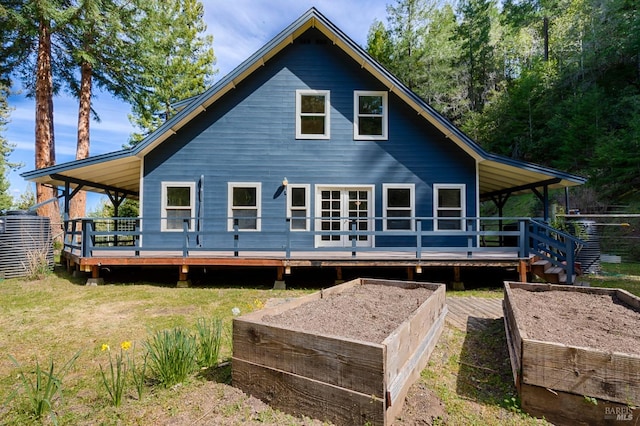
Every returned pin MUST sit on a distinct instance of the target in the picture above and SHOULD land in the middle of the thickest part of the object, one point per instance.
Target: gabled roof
(121, 169)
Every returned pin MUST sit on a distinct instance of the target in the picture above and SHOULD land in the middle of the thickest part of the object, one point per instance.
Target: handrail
(556, 246)
(95, 234)
(524, 237)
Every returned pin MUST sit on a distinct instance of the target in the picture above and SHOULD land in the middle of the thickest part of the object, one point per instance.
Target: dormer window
(370, 115)
(312, 114)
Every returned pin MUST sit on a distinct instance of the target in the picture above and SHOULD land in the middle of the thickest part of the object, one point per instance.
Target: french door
(340, 209)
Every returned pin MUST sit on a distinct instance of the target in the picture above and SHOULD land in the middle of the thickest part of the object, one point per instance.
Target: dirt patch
(595, 321)
(364, 312)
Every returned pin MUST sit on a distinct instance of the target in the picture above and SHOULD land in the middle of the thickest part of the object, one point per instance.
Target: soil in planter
(595, 321)
(365, 312)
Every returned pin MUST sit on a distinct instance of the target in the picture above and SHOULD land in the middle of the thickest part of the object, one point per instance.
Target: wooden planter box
(344, 381)
(562, 383)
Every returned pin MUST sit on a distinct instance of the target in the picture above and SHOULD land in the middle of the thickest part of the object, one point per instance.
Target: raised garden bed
(337, 354)
(575, 352)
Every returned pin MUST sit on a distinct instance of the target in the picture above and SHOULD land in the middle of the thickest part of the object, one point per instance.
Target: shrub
(42, 387)
(172, 355)
(209, 335)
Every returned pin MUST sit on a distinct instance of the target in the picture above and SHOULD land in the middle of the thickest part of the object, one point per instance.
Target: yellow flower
(126, 345)
(105, 347)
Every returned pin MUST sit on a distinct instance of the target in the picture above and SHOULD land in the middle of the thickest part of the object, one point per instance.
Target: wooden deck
(468, 312)
(306, 259)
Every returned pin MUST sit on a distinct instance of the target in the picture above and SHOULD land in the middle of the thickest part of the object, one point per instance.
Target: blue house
(309, 153)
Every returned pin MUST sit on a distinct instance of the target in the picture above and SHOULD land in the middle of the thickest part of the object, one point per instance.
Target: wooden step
(539, 267)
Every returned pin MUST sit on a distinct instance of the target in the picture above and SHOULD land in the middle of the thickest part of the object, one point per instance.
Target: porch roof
(120, 171)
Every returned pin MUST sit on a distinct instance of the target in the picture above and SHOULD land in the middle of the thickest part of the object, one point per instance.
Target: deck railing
(83, 236)
(520, 237)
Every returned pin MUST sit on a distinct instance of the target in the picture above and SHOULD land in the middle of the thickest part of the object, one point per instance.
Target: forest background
(555, 82)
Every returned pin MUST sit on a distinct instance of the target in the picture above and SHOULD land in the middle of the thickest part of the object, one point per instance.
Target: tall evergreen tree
(478, 54)
(6, 200)
(30, 27)
(179, 59)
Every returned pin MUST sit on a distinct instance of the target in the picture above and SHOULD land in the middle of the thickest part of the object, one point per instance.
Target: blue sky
(239, 28)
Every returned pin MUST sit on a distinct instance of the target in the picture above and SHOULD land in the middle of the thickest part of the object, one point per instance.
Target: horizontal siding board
(248, 135)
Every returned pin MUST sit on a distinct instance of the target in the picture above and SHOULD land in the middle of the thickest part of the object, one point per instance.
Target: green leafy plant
(172, 355)
(42, 387)
(590, 400)
(513, 404)
(209, 334)
(114, 382)
(138, 372)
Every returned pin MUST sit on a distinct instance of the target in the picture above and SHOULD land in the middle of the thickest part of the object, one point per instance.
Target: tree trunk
(79, 201)
(44, 144)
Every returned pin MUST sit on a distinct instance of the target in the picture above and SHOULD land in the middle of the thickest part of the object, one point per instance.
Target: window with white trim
(449, 207)
(370, 115)
(244, 206)
(298, 207)
(312, 114)
(398, 201)
(178, 205)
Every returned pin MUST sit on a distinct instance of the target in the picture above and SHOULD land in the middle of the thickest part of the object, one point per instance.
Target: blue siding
(249, 136)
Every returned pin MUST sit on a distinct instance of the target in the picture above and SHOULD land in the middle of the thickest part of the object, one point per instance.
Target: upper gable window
(312, 114)
(370, 115)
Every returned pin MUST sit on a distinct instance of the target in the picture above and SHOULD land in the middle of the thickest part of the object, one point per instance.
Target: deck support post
(522, 270)
(183, 277)
(95, 276)
(339, 279)
(279, 284)
(457, 283)
(410, 273)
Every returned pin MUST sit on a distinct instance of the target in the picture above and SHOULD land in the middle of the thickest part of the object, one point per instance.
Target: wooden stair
(551, 274)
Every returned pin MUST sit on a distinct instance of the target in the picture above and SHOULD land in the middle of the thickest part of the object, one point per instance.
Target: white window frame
(412, 207)
(291, 208)
(356, 115)
(326, 115)
(191, 208)
(437, 208)
(258, 207)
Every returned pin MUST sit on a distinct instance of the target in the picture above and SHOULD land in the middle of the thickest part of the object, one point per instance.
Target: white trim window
(178, 205)
(298, 207)
(244, 206)
(370, 115)
(398, 201)
(449, 207)
(312, 114)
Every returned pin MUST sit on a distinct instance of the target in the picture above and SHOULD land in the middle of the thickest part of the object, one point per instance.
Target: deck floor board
(468, 312)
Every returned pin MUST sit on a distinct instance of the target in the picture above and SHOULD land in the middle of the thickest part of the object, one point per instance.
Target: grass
(55, 317)
(617, 275)
(471, 374)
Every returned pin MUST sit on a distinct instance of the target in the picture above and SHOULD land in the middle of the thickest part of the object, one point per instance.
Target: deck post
(457, 282)
(418, 238)
(570, 255)
(354, 241)
(183, 277)
(236, 237)
(280, 283)
(95, 277)
(287, 231)
(524, 238)
(87, 228)
(410, 273)
(522, 270)
(339, 279)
